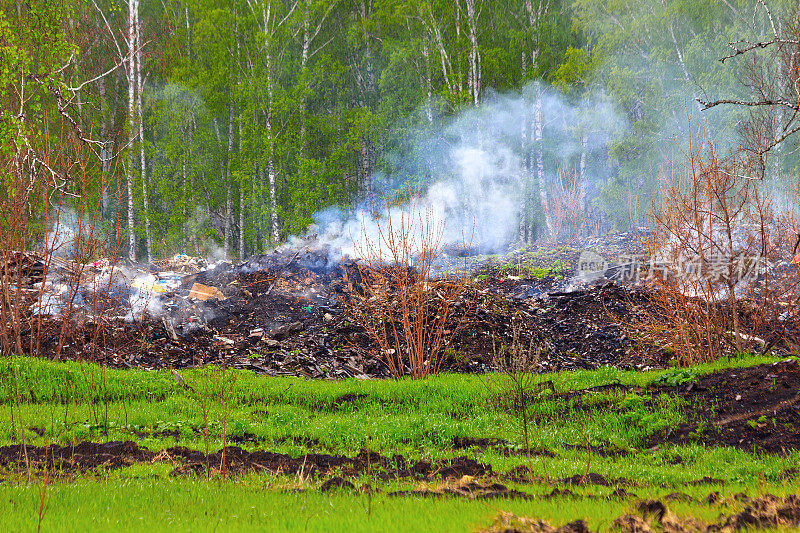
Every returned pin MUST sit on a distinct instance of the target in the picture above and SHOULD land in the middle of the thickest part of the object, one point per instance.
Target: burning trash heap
(294, 312)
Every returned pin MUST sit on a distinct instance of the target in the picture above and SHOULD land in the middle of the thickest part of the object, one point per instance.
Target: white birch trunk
(686, 75)
(525, 212)
(133, 8)
(444, 58)
(582, 171)
(428, 84)
(104, 148)
(303, 73)
(474, 53)
(460, 75)
(227, 182)
(273, 200)
(142, 160)
(262, 224)
(538, 157)
(184, 244)
(195, 229)
(241, 221)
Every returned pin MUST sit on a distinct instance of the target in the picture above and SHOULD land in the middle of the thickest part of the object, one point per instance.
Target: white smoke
(474, 169)
(66, 230)
(145, 297)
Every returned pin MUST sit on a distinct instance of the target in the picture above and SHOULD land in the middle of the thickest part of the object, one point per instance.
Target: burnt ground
(755, 409)
(459, 477)
(293, 323)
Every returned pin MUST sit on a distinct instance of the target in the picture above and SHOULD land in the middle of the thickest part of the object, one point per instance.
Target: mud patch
(510, 523)
(593, 478)
(499, 446)
(521, 474)
(233, 460)
(81, 457)
(754, 409)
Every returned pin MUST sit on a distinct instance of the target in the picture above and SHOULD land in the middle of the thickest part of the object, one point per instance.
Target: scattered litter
(204, 292)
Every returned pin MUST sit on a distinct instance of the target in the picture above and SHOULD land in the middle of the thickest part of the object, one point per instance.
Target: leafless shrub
(407, 309)
(566, 215)
(716, 243)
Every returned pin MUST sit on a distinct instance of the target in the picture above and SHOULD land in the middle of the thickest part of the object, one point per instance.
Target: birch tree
(133, 14)
(271, 17)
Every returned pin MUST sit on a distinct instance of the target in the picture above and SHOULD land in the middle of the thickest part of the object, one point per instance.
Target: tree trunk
(188, 36)
(241, 221)
(227, 182)
(304, 76)
(104, 151)
(262, 224)
(428, 84)
(133, 8)
(241, 140)
(526, 218)
(444, 58)
(273, 200)
(185, 243)
(686, 75)
(142, 160)
(195, 234)
(474, 53)
(582, 172)
(538, 132)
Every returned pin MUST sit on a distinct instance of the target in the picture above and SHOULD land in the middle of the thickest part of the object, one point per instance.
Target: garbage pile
(285, 313)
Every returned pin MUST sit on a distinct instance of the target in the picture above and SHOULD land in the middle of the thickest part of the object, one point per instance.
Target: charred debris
(285, 313)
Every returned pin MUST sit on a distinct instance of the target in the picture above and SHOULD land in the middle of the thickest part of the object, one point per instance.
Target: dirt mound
(506, 522)
(768, 511)
(282, 314)
(86, 456)
(468, 487)
(764, 512)
(292, 323)
(81, 457)
(756, 408)
(235, 460)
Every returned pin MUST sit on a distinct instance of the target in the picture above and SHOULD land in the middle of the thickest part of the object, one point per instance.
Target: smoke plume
(473, 174)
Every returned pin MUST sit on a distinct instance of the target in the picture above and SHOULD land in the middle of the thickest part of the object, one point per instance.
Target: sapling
(514, 384)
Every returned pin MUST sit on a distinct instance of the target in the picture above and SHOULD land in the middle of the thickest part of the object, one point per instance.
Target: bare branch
(110, 31)
(769, 16)
(779, 139)
(103, 75)
(758, 103)
(754, 46)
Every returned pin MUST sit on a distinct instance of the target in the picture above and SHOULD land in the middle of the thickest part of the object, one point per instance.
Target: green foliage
(250, 104)
(676, 378)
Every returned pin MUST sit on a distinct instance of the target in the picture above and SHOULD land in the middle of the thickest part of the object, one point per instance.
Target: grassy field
(572, 434)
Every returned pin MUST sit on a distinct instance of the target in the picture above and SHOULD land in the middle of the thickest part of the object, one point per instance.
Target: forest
(223, 128)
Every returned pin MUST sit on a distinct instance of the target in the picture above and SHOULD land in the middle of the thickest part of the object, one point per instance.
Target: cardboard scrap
(204, 292)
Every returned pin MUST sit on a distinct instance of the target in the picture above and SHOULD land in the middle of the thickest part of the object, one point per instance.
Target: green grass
(409, 416)
(258, 503)
(42, 381)
(70, 402)
(251, 504)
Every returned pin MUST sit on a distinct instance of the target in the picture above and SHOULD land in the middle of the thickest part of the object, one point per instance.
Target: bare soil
(755, 409)
(87, 456)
